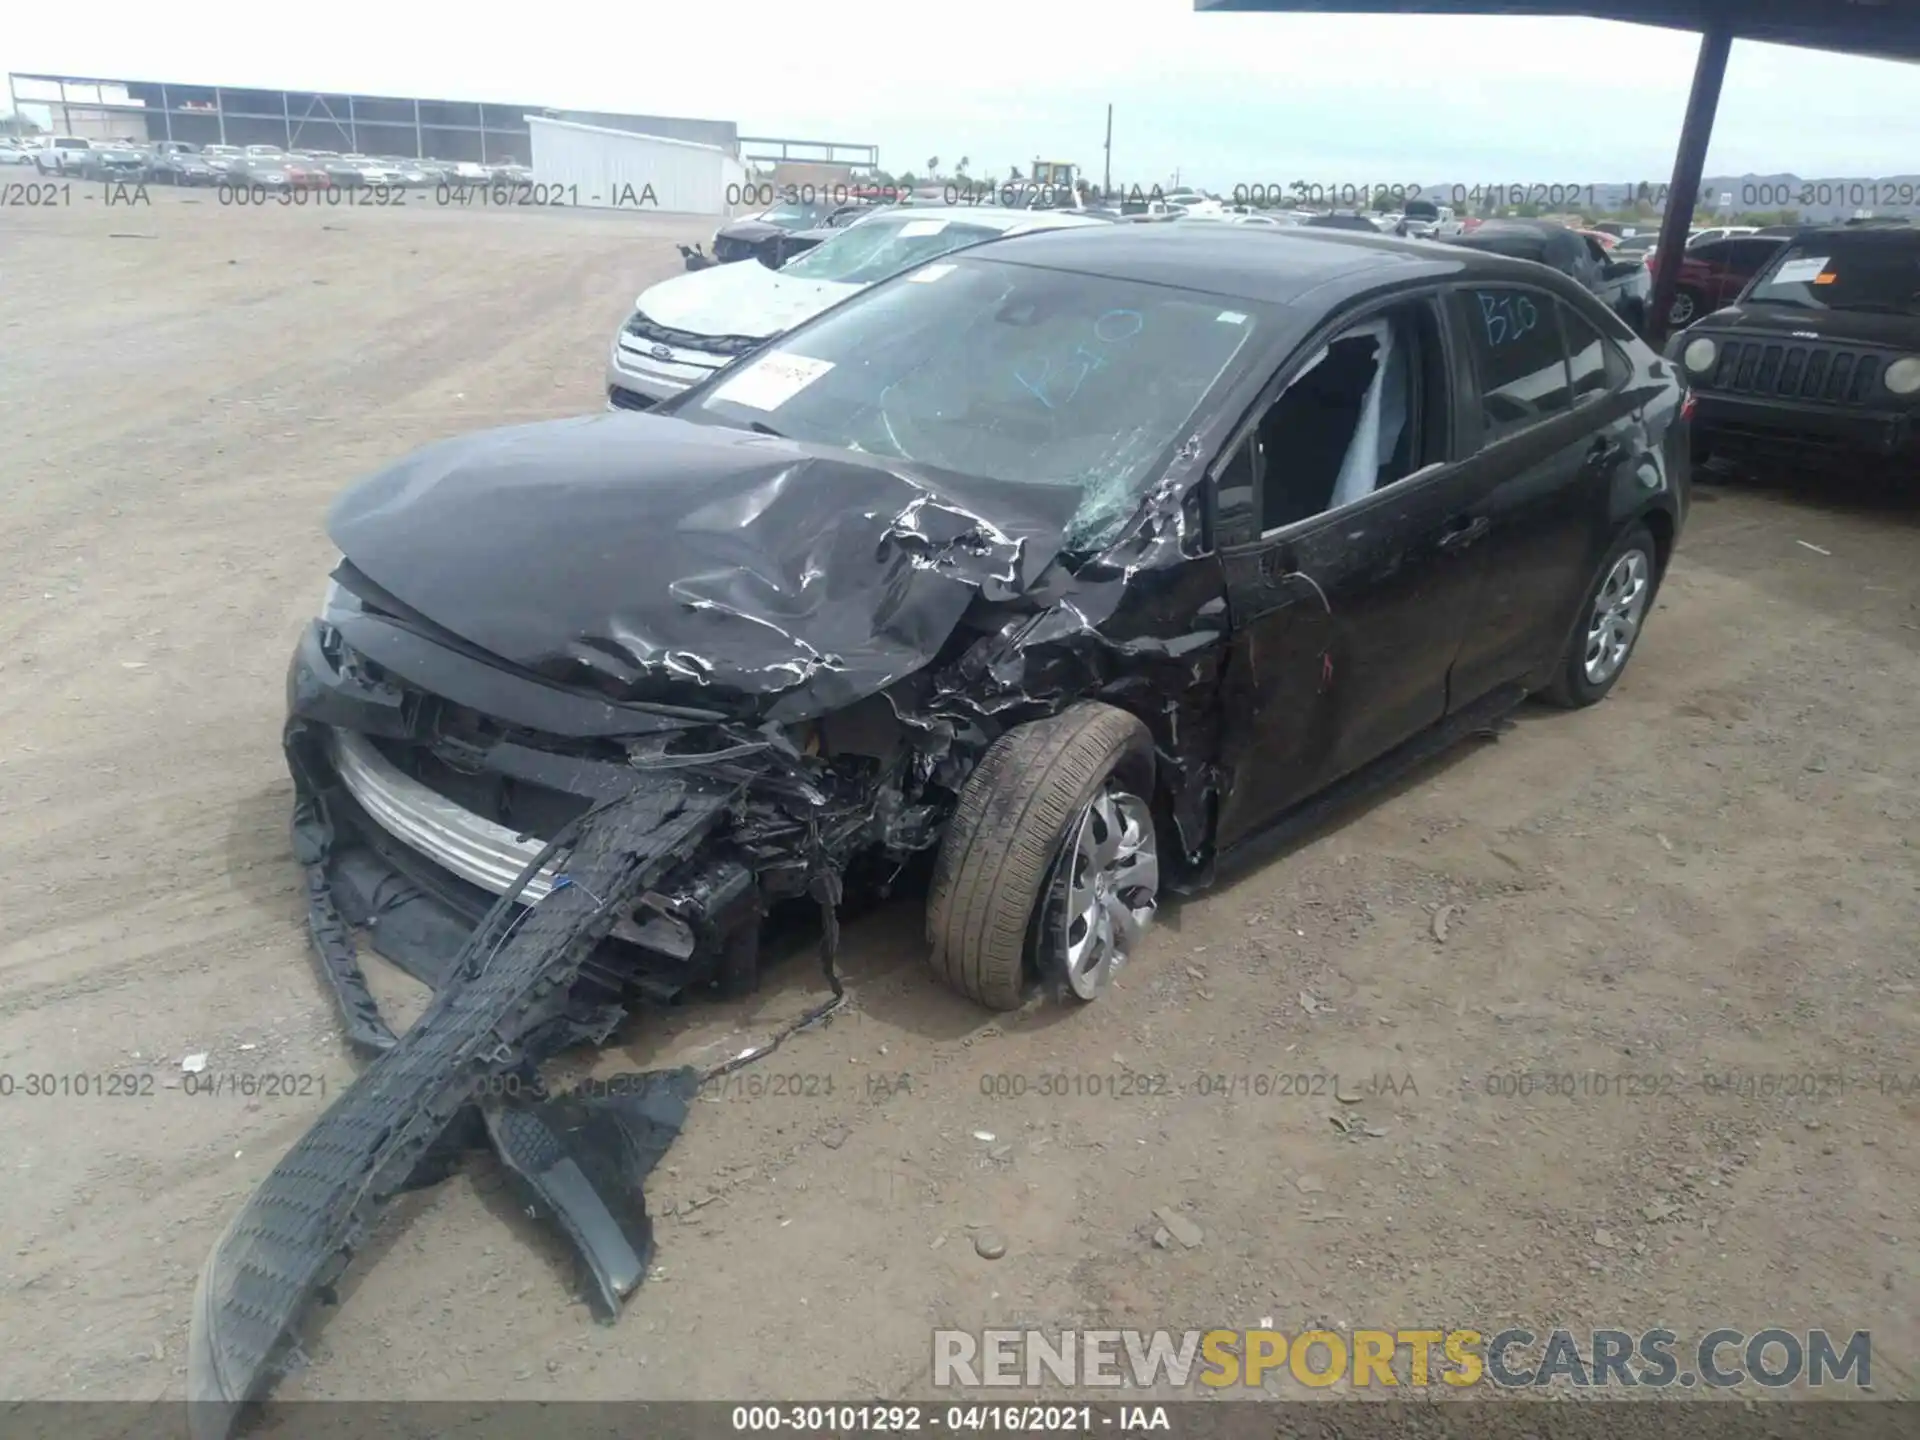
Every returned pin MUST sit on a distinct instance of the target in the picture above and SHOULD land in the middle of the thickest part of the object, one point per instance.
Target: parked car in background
(1340, 221)
(275, 172)
(15, 152)
(114, 163)
(1421, 220)
(62, 154)
(1819, 358)
(412, 174)
(221, 157)
(782, 231)
(356, 169)
(184, 169)
(1623, 285)
(1718, 232)
(1714, 274)
(1638, 246)
(687, 328)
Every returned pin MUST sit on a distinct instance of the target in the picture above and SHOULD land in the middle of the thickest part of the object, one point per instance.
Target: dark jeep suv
(1819, 357)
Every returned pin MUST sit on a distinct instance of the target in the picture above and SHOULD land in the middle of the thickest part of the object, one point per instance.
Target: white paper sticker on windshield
(1231, 317)
(1800, 272)
(930, 273)
(921, 227)
(772, 380)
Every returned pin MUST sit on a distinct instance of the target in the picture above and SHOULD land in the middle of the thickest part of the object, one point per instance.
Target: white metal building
(616, 168)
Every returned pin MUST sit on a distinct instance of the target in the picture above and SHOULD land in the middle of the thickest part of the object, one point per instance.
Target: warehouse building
(602, 165)
(491, 133)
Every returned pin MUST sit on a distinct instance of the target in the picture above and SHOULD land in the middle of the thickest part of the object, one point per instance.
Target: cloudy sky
(1221, 99)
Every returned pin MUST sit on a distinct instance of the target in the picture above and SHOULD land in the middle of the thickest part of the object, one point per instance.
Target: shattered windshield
(870, 252)
(795, 215)
(1002, 371)
(1846, 272)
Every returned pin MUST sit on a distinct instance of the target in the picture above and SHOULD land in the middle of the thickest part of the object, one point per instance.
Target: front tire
(1688, 305)
(1049, 864)
(1610, 623)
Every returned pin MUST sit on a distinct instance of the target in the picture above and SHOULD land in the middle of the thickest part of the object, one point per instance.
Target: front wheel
(1611, 620)
(1049, 867)
(1687, 305)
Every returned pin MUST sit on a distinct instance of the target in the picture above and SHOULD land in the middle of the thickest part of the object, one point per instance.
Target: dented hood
(650, 558)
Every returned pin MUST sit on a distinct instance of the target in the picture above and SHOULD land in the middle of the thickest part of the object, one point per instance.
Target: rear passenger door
(1551, 436)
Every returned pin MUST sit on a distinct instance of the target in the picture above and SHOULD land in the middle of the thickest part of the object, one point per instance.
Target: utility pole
(1106, 170)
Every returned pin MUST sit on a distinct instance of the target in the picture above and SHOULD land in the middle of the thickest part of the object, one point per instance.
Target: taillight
(1686, 407)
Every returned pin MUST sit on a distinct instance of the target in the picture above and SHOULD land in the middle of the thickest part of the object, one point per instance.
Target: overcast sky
(1224, 99)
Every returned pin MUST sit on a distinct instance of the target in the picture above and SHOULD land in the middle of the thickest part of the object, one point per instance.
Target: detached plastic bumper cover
(297, 1232)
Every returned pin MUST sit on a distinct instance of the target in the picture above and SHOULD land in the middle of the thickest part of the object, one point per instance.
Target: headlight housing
(1903, 375)
(1699, 355)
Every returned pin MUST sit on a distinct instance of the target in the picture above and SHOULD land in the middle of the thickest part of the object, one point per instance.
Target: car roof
(1893, 226)
(1275, 264)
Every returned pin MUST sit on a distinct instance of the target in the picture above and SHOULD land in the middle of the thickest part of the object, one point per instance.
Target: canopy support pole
(1689, 164)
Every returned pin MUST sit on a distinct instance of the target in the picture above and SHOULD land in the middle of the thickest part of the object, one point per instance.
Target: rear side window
(1595, 364)
(1514, 337)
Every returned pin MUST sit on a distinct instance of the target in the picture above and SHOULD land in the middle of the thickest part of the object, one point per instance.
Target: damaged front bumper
(387, 824)
(638, 880)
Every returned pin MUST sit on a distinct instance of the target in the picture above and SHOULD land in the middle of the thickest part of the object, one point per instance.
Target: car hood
(745, 299)
(654, 559)
(751, 231)
(1868, 327)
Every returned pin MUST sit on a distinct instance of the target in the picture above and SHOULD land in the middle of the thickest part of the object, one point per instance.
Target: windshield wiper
(761, 427)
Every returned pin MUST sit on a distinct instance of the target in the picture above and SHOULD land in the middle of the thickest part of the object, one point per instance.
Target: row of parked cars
(174, 162)
(813, 254)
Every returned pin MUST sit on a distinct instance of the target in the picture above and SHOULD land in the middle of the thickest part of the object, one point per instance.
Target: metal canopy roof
(1886, 29)
(1881, 29)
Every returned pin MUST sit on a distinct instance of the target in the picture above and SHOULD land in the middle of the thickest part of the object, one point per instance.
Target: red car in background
(1713, 275)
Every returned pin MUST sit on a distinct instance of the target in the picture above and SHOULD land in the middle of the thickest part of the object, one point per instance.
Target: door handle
(1463, 531)
(1604, 451)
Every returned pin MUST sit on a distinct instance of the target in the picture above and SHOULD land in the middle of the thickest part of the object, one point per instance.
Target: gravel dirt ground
(1705, 882)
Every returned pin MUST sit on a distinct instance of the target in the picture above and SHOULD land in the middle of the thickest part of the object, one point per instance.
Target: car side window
(1714, 252)
(1514, 338)
(1747, 256)
(1354, 419)
(1595, 363)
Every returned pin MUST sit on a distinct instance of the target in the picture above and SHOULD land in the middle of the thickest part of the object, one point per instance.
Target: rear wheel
(1049, 866)
(1687, 305)
(1610, 623)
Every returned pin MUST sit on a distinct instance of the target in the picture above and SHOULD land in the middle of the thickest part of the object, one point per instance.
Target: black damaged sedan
(1080, 564)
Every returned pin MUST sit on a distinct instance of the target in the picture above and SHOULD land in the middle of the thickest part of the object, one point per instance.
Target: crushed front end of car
(574, 732)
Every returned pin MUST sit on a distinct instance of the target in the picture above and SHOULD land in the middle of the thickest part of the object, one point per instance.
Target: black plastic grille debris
(296, 1232)
(1795, 372)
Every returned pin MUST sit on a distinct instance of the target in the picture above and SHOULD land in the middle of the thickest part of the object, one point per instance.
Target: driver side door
(1347, 603)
